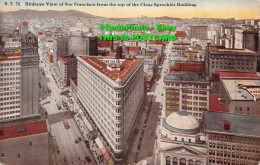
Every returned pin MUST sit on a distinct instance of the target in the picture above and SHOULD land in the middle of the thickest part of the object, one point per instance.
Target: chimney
(225, 125)
(119, 52)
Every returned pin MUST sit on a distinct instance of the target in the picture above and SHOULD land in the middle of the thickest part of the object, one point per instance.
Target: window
(18, 156)
(30, 144)
(3, 154)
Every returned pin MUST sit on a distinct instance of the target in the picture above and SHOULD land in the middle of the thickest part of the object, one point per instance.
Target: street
(71, 147)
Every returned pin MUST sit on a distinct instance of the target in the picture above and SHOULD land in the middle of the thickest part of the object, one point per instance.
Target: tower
(29, 75)
(79, 25)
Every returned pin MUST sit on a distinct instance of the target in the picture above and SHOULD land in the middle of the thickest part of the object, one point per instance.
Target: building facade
(92, 46)
(68, 69)
(246, 38)
(181, 142)
(10, 100)
(188, 92)
(60, 47)
(29, 75)
(241, 95)
(233, 60)
(112, 92)
(199, 32)
(232, 138)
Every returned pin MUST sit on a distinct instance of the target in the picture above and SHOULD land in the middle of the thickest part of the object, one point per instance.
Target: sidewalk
(132, 155)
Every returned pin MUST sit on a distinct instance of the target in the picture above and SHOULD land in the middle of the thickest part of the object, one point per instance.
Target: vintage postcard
(124, 82)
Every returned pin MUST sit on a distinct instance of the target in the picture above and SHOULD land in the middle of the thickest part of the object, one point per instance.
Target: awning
(110, 162)
(99, 143)
(107, 157)
(103, 150)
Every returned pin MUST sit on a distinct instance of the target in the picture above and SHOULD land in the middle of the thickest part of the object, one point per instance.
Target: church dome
(181, 122)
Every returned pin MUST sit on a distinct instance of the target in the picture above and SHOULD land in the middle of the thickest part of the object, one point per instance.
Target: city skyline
(237, 9)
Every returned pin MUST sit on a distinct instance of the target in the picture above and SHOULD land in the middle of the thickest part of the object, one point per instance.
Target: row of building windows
(194, 98)
(9, 83)
(232, 67)
(10, 107)
(234, 147)
(9, 112)
(9, 93)
(229, 162)
(9, 117)
(9, 78)
(9, 98)
(233, 154)
(187, 85)
(195, 92)
(11, 102)
(10, 74)
(234, 139)
(10, 64)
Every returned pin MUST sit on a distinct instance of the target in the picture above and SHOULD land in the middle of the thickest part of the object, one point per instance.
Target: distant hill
(32, 14)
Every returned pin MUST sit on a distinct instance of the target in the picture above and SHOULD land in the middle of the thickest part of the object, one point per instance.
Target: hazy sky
(239, 9)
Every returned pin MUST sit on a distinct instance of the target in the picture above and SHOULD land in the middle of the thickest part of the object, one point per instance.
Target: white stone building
(111, 92)
(180, 141)
(10, 87)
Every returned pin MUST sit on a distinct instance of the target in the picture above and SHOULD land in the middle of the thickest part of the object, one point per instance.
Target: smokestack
(119, 51)
(225, 125)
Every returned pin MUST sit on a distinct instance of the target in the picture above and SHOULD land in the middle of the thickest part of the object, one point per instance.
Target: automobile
(80, 139)
(76, 141)
(162, 94)
(88, 158)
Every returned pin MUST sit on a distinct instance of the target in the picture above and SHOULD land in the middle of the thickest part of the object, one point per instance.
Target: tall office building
(9, 86)
(60, 47)
(68, 69)
(234, 60)
(188, 92)
(246, 38)
(199, 32)
(111, 92)
(29, 75)
(92, 46)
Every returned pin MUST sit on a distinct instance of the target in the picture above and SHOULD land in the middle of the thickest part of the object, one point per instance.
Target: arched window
(198, 162)
(182, 161)
(168, 160)
(175, 161)
(190, 162)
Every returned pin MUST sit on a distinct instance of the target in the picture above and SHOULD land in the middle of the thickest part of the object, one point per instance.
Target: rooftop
(22, 130)
(239, 124)
(235, 92)
(237, 74)
(181, 122)
(128, 66)
(234, 52)
(75, 81)
(66, 59)
(185, 76)
(215, 105)
(9, 57)
(181, 43)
